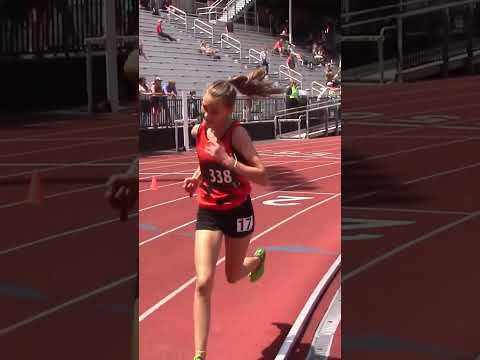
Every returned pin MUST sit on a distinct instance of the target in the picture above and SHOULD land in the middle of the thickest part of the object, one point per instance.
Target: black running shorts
(235, 223)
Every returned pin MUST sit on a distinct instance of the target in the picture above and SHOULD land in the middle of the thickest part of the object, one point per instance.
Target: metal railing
(231, 41)
(287, 72)
(315, 116)
(203, 27)
(255, 55)
(100, 42)
(401, 14)
(379, 41)
(177, 14)
(230, 10)
(318, 88)
(60, 27)
(211, 11)
(169, 109)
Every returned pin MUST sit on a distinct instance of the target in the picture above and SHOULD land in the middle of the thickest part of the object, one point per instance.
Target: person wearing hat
(160, 32)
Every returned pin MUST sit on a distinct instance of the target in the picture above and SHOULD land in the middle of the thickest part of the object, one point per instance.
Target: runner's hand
(190, 185)
(122, 191)
(218, 151)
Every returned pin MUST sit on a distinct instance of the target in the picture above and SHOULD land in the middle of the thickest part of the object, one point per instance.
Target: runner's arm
(253, 169)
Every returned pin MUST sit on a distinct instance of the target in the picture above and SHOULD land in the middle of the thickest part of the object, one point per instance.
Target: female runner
(228, 162)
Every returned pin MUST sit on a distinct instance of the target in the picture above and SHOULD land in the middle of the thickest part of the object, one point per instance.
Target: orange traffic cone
(35, 191)
(153, 185)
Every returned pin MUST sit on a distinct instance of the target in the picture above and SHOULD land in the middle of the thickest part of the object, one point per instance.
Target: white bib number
(245, 224)
(220, 177)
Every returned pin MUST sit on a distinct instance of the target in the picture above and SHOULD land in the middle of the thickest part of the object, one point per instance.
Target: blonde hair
(253, 84)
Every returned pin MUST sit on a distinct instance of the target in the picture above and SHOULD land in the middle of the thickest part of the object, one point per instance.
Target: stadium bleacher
(181, 61)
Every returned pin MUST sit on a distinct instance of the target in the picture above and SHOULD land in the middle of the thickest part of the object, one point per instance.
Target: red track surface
(53, 255)
(411, 287)
(249, 321)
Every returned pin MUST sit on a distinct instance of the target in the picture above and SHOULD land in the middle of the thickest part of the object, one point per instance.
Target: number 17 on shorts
(245, 224)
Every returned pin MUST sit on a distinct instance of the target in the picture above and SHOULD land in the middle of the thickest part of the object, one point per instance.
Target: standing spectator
(159, 102)
(170, 88)
(144, 98)
(170, 91)
(264, 59)
(284, 34)
(160, 32)
(194, 113)
(329, 75)
(291, 61)
(229, 27)
(292, 95)
(141, 52)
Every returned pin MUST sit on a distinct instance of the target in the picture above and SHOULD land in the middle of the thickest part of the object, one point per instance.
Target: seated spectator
(278, 48)
(212, 52)
(203, 47)
(160, 32)
(302, 60)
(170, 88)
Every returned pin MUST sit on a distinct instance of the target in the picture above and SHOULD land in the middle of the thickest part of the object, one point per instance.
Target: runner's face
(215, 111)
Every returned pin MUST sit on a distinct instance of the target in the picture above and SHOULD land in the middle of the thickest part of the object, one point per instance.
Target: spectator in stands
(284, 33)
(141, 52)
(302, 60)
(229, 27)
(159, 102)
(278, 48)
(329, 75)
(209, 51)
(144, 98)
(291, 61)
(193, 107)
(154, 6)
(203, 47)
(170, 88)
(161, 33)
(319, 56)
(264, 59)
(292, 95)
(166, 4)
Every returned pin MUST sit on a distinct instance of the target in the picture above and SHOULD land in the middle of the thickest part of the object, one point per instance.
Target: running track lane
(426, 310)
(254, 316)
(189, 245)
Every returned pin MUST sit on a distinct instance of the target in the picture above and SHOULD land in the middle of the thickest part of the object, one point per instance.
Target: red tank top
(220, 188)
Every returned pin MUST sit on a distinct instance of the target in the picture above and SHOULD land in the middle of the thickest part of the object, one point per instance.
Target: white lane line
(174, 293)
(325, 333)
(65, 166)
(442, 173)
(403, 247)
(66, 304)
(406, 151)
(55, 148)
(307, 310)
(73, 164)
(420, 211)
(253, 199)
